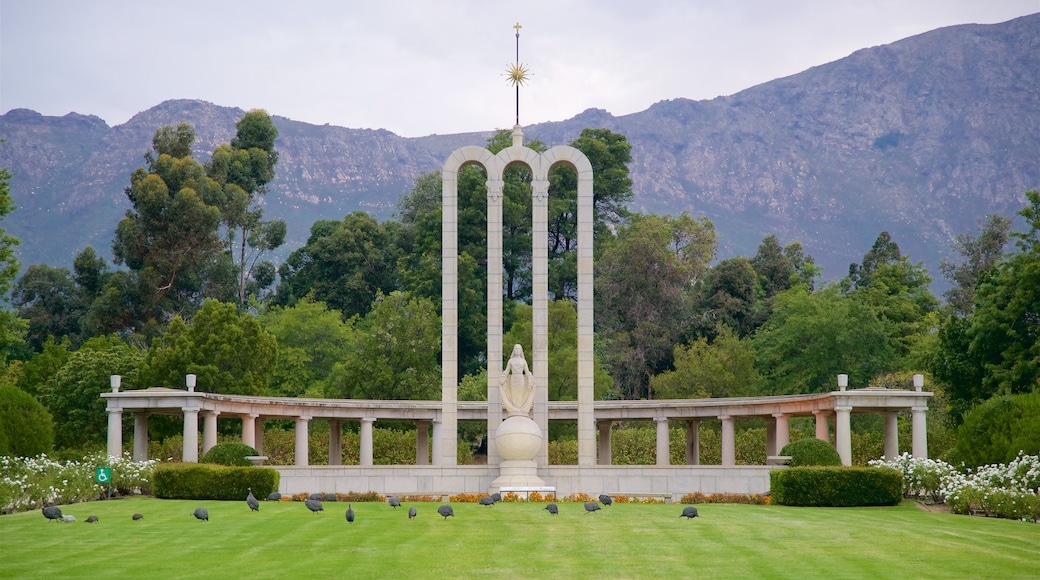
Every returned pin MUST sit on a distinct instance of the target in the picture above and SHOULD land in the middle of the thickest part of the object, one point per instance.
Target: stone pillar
(919, 433)
(770, 435)
(335, 442)
(783, 431)
(663, 455)
(422, 442)
(115, 432)
(258, 434)
(495, 187)
(190, 451)
(140, 436)
(302, 442)
(729, 454)
(891, 434)
(445, 443)
(540, 308)
(823, 432)
(249, 430)
(366, 441)
(586, 361)
(693, 444)
(605, 454)
(438, 442)
(843, 434)
(209, 430)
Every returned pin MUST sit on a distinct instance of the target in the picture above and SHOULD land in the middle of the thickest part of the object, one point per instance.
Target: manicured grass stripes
(512, 540)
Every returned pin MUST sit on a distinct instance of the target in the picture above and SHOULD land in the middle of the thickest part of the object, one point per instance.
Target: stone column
(438, 442)
(783, 431)
(115, 433)
(540, 308)
(495, 187)
(422, 442)
(891, 434)
(605, 454)
(209, 430)
(770, 435)
(919, 432)
(729, 454)
(444, 446)
(693, 444)
(843, 434)
(366, 441)
(249, 430)
(335, 442)
(190, 451)
(258, 434)
(586, 361)
(302, 442)
(663, 455)
(140, 436)
(823, 432)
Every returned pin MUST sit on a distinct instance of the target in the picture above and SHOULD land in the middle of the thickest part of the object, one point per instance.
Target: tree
(728, 297)
(344, 264)
(11, 328)
(311, 340)
(813, 337)
(979, 255)
(40, 370)
(396, 351)
(243, 168)
(228, 351)
(642, 289)
(724, 367)
(169, 239)
(74, 396)
(48, 298)
(26, 428)
(884, 251)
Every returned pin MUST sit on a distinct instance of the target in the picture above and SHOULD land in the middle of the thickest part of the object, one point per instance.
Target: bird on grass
(606, 499)
(51, 512)
(591, 506)
(350, 514)
(689, 512)
(274, 496)
(201, 514)
(412, 512)
(393, 501)
(252, 502)
(496, 497)
(313, 505)
(552, 509)
(486, 500)
(91, 519)
(67, 519)
(138, 517)
(445, 510)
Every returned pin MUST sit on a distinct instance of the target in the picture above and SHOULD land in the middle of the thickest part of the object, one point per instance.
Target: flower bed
(28, 483)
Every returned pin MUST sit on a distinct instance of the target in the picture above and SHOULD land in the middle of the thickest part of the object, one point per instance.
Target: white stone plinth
(518, 440)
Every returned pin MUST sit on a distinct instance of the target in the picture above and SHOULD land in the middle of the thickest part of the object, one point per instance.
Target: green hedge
(811, 452)
(836, 486)
(231, 453)
(201, 481)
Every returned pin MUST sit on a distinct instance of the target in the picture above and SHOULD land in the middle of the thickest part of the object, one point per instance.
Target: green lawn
(512, 540)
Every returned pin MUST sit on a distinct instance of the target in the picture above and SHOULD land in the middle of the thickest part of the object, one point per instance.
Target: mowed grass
(512, 540)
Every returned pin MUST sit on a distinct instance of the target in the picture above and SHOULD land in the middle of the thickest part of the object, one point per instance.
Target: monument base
(518, 439)
(517, 473)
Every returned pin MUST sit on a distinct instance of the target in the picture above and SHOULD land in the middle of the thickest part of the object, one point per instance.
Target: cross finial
(517, 73)
(517, 27)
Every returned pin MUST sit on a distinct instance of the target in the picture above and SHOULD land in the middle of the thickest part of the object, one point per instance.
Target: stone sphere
(518, 438)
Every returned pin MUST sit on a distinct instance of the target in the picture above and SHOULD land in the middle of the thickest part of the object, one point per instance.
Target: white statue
(517, 384)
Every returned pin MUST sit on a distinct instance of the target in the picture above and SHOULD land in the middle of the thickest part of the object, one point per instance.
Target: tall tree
(243, 168)
(11, 328)
(724, 367)
(311, 340)
(979, 254)
(49, 299)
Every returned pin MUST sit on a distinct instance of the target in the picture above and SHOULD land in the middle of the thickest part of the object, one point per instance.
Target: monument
(518, 438)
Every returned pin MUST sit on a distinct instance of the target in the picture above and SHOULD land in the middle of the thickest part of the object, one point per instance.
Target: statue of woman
(517, 384)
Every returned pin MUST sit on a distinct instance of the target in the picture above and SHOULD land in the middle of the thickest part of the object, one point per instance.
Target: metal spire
(517, 73)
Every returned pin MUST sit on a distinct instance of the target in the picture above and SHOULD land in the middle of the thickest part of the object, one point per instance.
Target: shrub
(26, 428)
(836, 486)
(231, 453)
(997, 430)
(200, 481)
(811, 452)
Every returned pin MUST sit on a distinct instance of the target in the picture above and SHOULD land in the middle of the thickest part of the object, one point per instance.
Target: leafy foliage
(723, 367)
(999, 429)
(217, 482)
(836, 486)
(230, 453)
(26, 428)
(811, 452)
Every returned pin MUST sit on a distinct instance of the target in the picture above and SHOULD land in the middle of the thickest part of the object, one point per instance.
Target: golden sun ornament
(517, 74)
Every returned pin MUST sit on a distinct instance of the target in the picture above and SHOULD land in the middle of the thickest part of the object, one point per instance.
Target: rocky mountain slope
(921, 137)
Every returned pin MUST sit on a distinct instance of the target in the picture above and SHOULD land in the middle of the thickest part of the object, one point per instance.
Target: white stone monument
(518, 438)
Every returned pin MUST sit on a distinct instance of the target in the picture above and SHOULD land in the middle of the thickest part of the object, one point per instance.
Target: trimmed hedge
(232, 453)
(26, 428)
(811, 452)
(836, 486)
(201, 481)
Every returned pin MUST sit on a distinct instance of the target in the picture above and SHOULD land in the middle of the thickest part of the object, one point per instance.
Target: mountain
(921, 137)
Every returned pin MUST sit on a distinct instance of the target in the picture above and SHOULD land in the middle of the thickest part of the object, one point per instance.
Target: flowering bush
(749, 499)
(32, 482)
(1003, 490)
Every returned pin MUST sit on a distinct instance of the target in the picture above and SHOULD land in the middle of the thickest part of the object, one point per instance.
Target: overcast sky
(419, 67)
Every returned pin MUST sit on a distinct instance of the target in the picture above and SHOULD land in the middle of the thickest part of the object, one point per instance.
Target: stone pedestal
(518, 440)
